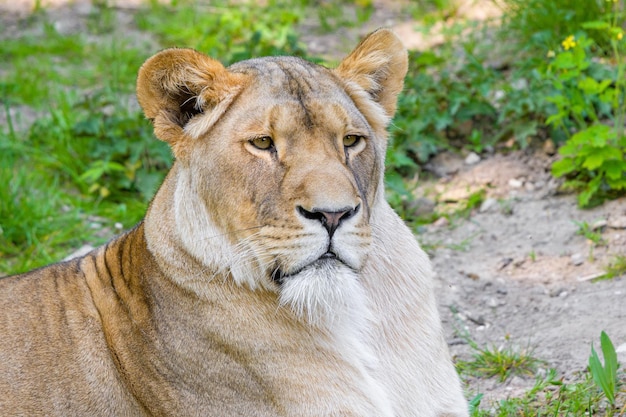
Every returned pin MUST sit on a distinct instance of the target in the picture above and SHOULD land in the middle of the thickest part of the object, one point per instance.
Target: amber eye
(351, 140)
(264, 143)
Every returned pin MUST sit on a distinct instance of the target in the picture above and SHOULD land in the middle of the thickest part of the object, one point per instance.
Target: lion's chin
(323, 293)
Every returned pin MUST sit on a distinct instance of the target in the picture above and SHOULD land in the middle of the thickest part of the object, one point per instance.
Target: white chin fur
(325, 294)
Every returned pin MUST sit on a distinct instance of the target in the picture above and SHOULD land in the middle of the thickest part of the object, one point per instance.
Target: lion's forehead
(289, 90)
(291, 77)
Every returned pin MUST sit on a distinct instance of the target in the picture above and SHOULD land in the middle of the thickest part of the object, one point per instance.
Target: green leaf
(614, 169)
(610, 359)
(593, 161)
(596, 24)
(589, 86)
(618, 184)
(563, 167)
(592, 188)
(564, 60)
(597, 371)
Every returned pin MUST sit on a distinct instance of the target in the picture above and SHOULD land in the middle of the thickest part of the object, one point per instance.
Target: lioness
(269, 276)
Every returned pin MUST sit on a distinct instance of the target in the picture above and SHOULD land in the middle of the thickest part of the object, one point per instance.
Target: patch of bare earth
(518, 274)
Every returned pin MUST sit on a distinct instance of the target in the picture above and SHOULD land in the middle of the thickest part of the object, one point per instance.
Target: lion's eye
(264, 143)
(351, 140)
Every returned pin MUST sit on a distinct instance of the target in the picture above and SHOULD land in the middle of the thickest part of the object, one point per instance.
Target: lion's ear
(378, 65)
(175, 85)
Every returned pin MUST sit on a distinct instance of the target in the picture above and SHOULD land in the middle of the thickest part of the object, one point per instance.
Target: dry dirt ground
(516, 273)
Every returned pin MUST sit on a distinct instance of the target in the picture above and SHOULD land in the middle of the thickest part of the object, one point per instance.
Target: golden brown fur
(269, 276)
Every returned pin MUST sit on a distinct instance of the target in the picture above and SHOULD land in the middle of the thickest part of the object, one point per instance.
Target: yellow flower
(569, 42)
(619, 36)
(550, 54)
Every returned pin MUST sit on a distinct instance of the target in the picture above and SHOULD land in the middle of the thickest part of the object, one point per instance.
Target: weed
(605, 376)
(615, 268)
(590, 99)
(500, 362)
(584, 229)
(228, 32)
(533, 23)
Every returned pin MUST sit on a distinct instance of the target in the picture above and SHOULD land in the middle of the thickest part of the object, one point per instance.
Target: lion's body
(264, 280)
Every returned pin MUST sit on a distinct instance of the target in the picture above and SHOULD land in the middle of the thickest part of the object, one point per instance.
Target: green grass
(501, 362)
(551, 394)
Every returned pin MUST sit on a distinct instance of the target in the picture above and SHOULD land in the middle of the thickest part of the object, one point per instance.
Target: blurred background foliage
(77, 151)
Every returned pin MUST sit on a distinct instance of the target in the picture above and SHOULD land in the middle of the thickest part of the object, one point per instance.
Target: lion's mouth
(279, 275)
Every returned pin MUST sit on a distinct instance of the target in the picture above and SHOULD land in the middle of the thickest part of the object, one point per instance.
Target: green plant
(605, 376)
(500, 362)
(584, 229)
(616, 267)
(538, 23)
(496, 361)
(591, 100)
(229, 32)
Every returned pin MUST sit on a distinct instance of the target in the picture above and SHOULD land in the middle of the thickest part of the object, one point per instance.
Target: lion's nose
(330, 219)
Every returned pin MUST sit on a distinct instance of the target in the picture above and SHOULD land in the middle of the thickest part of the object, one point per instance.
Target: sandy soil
(515, 273)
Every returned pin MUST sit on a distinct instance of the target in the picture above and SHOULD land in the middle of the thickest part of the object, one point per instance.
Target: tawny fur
(235, 296)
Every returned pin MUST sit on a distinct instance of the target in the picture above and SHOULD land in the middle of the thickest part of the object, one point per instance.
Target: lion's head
(279, 163)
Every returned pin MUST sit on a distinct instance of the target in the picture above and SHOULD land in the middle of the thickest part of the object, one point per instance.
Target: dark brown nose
(330, 219)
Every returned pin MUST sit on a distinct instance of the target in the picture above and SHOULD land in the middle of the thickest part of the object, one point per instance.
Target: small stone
(515, 183)
(617, 222)
(488, 204)
(598, 224)
(480, 320)
(421, 206)
(472, 158)
(504, 262)
(577, 259)
(473, 276)
(441, 222)
(119, 226)
(492, 302)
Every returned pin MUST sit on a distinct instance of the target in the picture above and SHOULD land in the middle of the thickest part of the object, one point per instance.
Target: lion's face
(283, 160)
(294, 171)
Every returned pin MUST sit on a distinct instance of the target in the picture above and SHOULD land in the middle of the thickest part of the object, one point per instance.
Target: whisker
(233, 232)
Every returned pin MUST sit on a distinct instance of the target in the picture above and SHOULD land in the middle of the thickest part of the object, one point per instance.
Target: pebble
(440, 222)
(515, 183)
(421, 206)
(577, 259)
(598, 224)
(480, 320)
(488, 204)
(493, 303)
(617, 222)
(472, 158)
(502, 291)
